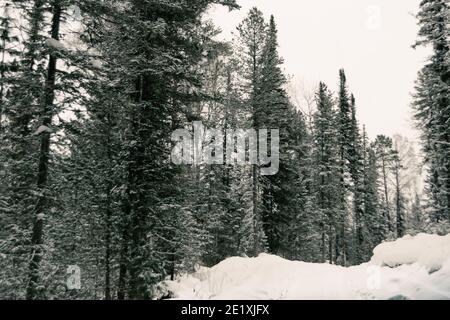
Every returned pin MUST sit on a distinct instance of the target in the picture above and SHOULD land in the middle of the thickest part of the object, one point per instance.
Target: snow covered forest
(90, 94)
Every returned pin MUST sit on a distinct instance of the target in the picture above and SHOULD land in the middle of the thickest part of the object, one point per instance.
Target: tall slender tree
(432, 103)
(344, 124)
(326, 165)
(47, 113)
(251, 40)
(383, 147)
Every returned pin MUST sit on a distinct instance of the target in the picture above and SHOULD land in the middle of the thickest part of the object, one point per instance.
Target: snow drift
(429, 251)
(409, 268)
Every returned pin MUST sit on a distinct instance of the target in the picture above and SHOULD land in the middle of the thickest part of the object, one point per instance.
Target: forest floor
(409, 268)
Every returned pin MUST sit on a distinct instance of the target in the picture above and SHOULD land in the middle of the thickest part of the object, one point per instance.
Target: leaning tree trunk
(42, 178)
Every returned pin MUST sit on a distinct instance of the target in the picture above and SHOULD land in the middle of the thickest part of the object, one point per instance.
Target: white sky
(371, 39)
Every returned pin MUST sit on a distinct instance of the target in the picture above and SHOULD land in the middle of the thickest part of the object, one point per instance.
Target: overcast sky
(371, 39)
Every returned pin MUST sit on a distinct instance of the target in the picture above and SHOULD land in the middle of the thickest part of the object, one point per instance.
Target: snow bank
(430, 251)
(409, 268)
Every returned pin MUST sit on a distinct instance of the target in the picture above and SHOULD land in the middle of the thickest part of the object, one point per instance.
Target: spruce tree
(400, 205)
(383, 147)
(272, 111)
(432, 103)
(372, 219)
(326, 165)
(8, 58)
(250, 44)
(47, 113)
(344, 125)
(155, 61)
(20, 147)
(357, 174)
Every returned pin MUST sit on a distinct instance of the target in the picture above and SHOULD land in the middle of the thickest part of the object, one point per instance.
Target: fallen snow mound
(409, 268)
(430, 251)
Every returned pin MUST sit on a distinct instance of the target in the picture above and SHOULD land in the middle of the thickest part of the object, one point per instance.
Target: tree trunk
(138, 195)
(108, 218)
(108, 231)
(2, 76)
(330, 244)
(323, 249)
(126, 226)
(255, 209)
(386, 193)
(400, 218)
(448, 192)
(123, 264)
(48, 112)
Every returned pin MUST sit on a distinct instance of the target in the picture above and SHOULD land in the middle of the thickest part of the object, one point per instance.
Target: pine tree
(416, 223)
(326, 165)
(155, 60)
(406, 174)
(272, 110)
(431, 103)
(251, 43)
(383, 147)
(20, 146)
(399, 197)
(8, 58)
(344, 124)
(357, 174)
(47, 113)
(372, 219)
(301, 236)
(237, 233)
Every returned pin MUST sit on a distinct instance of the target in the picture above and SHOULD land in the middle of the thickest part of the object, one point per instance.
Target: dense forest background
(90, 92)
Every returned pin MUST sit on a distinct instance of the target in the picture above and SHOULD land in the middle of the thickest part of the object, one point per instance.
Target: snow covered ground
(409, 268)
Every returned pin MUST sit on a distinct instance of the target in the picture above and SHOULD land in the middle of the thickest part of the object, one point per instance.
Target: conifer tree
(8, 58)
(20, 146)
(372, 218)
(272, 111)
(432, 103)
(356, 172)
(383, 147)
(47, 113)
(156, 61)
(344, 124)
(250, 43)
(326, 165)
(400, 205)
